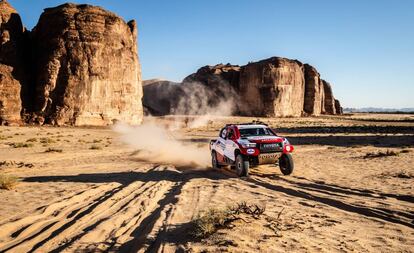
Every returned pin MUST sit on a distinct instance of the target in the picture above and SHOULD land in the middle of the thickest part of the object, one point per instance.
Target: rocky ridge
(12, 34)
(274, 87)
(87, 70)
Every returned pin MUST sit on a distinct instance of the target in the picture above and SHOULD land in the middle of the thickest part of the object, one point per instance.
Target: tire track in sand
(54, 228)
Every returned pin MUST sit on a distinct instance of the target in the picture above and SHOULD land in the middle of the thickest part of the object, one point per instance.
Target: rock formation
(338, 107)
(312, 100)
(329, 100)
(87, 69)
(273, 87)
(11, 48)
(216, 76)
(84, 67)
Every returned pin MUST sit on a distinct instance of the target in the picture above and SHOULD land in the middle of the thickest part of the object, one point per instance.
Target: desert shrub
(380, 154)
(7, 182)
(21, 145)
(46, 140)
(96, 147)
(404, 175)
(97, 141)
(15, 164)
(31, 140)
(208, 222)
(404, 151)
(3, 137)
(53, 150)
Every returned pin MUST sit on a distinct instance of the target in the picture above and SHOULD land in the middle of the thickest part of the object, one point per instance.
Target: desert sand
(91, 192)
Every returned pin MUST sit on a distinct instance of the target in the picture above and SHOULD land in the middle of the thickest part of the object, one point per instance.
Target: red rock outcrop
(328, 99)
(11, 48)
(338, 107)
(87, 69)
(273, 87)
(216, 76)
(312, 100)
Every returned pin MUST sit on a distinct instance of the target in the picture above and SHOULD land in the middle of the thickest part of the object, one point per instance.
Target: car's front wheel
(286, 164)
(242, 166)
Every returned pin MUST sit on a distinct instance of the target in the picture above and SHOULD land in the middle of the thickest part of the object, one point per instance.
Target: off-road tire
(286, 164)
(242, 166)
(214, 162)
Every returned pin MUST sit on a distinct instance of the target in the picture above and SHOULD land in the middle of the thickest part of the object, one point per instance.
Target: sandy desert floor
(90, 193)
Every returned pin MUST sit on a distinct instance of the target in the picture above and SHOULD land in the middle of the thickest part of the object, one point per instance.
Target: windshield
(247, 132)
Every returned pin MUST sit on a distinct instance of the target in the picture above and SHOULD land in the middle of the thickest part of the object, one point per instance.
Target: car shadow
(182, 173)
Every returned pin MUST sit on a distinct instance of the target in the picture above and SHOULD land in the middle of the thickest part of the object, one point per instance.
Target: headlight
(248, 145)
(288, 148)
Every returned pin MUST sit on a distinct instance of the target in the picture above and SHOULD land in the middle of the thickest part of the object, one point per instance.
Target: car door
(221, 144)
(230, 144)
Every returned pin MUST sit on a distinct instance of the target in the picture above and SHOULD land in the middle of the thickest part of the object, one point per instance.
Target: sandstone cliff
(273, 87)
(216, 76)
(338, 107)
(87, 69)
(328, 99)
(312, 99)
(11, 48)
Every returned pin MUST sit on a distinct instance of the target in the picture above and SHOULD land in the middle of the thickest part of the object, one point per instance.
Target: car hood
(265, 139)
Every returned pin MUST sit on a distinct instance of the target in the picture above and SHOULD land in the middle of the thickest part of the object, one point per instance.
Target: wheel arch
(237, 152)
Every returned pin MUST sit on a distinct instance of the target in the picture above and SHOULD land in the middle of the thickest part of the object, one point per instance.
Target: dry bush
(21, 145)
(53, 150)
(208, 222)
(7, 164)
(3, 137)
(95, 147)
(380, 154)
(46, 140)
(404, 151)
(7, 182)
(31, 140)
(404, 175)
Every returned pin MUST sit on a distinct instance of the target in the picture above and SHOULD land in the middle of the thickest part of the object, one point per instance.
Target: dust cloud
(155, 143)
(205, 102)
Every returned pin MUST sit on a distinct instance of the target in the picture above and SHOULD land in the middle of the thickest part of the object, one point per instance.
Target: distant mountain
(378, 109)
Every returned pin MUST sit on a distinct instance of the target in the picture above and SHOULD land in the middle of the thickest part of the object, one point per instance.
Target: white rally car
(245, 145)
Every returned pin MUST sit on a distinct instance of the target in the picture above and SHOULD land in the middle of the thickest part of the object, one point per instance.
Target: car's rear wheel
(214, 162)
(286, 164)
(242, 166)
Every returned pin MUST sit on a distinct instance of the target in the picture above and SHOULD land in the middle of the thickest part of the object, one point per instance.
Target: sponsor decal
(272, 145)
(250, 151)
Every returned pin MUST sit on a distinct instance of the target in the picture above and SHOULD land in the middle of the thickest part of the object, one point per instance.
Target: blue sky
(364, 48)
